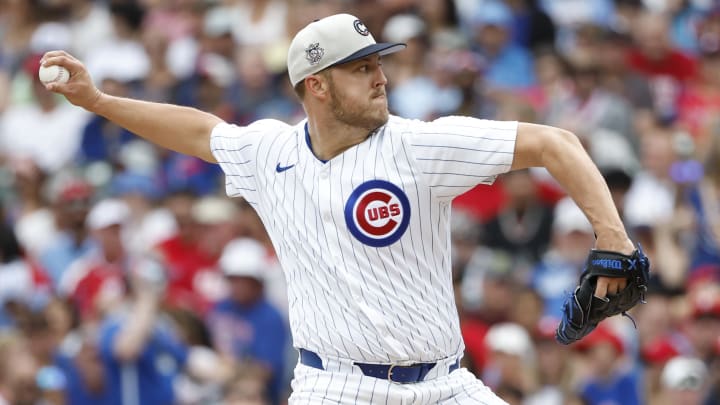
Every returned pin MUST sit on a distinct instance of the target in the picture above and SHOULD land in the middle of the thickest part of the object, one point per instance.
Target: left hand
(608, 285)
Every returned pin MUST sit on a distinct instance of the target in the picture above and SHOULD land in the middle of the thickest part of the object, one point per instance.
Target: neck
(330, 138)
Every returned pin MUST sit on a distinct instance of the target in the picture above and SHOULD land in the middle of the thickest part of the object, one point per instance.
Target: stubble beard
(368, 117)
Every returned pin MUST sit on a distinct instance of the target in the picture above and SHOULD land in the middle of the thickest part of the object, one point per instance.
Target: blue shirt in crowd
(149, 379)
(257, 332)
(620, 389)
(58, 256)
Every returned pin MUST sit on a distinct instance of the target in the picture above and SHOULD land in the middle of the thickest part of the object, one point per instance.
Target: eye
(363, 68)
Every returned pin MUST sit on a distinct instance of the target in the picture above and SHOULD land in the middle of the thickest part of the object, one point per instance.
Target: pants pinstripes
(318, 387)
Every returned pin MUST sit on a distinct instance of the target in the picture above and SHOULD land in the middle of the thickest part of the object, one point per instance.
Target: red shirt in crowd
(697, 107)
(91, 280)
(187, 265)
(675, 64)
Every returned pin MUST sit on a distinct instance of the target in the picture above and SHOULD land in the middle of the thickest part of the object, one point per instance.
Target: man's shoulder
(399, 124)
(396, 122)
(261, 128)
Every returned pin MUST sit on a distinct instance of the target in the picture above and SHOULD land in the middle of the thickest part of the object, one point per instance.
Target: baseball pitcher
(357, 203)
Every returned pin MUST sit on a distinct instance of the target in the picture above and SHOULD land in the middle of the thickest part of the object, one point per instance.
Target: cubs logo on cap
(361, 28)
(314, 53)
(377, 213)
(331, 41)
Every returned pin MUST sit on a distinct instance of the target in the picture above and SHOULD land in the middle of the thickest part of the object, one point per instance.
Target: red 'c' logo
(377, 213)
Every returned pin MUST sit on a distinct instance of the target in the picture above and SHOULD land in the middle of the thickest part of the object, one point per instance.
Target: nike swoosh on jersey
(281, 169)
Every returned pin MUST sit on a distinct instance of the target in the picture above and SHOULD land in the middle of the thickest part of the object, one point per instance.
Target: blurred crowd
(126, 276)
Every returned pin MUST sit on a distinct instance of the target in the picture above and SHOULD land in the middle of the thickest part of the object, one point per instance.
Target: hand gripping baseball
(79, 89)
(583, 310)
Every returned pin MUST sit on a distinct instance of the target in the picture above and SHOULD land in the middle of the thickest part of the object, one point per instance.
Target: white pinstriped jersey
(364, 238)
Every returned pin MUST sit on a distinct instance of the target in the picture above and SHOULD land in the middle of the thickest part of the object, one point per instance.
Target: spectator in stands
(17, 281)
(703, 327)
(532, 28)
(17, 371)
(699, 103)
(149, 223)
(512, 360)
(509, 66)
(652, 195)
(557, 273)
(26, 129)
(101, 139)
(554, 367)
(703, 199)
(86, 378)
(522, 227)
(71, 201)
(138, 346)
(617, 76)
(655, 57)
(684, 381)
(248, 386)
(601, 118)
(98, 276)
(182, 254)
(611, 379)
(214, 216)
(245, 326)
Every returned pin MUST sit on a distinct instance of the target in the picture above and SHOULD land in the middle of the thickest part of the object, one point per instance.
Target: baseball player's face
(357, 92)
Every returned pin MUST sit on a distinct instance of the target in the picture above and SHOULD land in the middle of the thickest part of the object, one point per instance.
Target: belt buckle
(390, 370)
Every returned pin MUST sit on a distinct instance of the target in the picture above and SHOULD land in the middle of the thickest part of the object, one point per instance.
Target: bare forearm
(182, 129)
(571, 166)
(561, 153)
(136, 330)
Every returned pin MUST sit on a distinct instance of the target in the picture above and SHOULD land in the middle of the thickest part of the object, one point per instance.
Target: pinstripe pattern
(350, 299)
(459, 387)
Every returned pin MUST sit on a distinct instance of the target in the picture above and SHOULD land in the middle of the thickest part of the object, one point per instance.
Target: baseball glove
(583, 311)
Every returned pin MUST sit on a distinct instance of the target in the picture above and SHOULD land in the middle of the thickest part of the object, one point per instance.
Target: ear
(316, 85)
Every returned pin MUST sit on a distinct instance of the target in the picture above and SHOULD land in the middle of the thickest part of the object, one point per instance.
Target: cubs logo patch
(314, 53)
(377, 213)
(361, 28)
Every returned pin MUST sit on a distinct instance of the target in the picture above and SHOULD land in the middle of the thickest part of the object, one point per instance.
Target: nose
(380, 79)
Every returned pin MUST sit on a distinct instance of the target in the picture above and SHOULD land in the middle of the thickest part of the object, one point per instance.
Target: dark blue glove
(583, 311)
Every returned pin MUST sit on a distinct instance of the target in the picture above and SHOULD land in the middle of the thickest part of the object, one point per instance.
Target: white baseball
(53, 73)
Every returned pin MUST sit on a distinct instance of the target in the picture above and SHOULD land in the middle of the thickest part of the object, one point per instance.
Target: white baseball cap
(213, 210)
(570, 218)
(107, 213)
(331, 41)
(244, 257)
(510, 338)
(684, 373)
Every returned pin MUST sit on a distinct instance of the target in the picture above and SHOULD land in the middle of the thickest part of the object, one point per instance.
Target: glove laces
(643, 290)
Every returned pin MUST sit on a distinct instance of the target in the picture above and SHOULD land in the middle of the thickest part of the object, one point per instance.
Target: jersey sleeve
(454, 154)
(235, 149)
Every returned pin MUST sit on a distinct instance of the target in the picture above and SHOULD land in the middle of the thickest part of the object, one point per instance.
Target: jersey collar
(309, 145)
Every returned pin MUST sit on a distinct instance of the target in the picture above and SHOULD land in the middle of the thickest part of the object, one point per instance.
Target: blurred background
(127, 277)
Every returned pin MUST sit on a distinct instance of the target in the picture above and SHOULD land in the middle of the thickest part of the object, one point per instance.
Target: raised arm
(182, 129)
(561, 153)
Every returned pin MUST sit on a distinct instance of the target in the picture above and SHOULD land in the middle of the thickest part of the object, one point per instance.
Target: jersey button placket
(325, 195)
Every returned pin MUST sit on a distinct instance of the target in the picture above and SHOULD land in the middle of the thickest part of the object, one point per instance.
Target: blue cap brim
(383, 48)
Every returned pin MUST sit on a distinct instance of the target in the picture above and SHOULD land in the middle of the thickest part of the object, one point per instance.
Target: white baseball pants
(348, 385)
